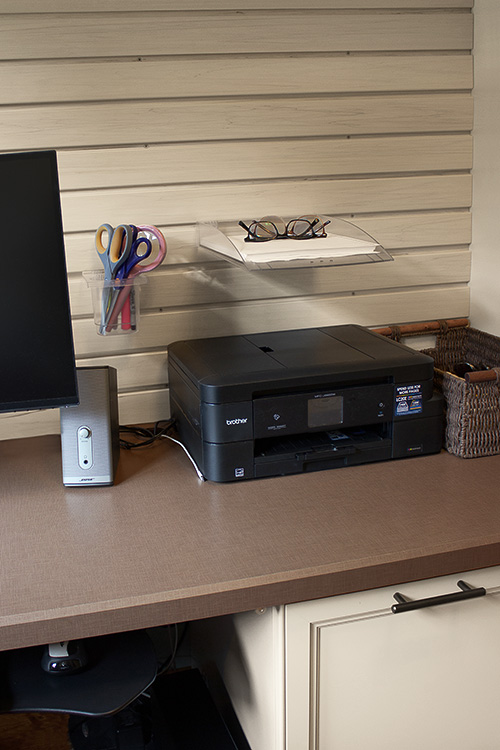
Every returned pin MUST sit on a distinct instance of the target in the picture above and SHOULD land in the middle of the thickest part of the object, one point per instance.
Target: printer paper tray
(320, 450)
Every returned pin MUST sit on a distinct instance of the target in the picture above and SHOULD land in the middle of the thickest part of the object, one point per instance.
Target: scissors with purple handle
(133, 258)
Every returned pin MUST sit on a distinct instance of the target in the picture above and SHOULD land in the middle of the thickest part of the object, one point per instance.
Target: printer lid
(300, 357)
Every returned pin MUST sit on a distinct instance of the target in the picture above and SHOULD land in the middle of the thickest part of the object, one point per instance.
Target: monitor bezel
(71, 397)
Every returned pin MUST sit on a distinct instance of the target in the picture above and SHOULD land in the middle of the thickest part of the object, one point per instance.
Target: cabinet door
(360, 677)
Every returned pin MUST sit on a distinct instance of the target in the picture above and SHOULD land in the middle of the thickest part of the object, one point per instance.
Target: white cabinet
(346, 673)
(359, 676)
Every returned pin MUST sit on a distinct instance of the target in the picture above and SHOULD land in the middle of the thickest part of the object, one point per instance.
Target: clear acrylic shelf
(345, 244)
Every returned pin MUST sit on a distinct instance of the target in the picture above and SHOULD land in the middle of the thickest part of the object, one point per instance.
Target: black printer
(302, 400)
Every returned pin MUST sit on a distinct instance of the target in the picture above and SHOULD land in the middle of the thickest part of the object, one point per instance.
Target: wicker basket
(472, 403)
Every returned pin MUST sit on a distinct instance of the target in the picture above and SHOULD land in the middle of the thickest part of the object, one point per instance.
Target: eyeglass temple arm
(323, 224)
(241, 224)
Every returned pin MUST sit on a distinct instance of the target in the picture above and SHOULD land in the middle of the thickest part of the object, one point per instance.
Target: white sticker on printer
(408, 399)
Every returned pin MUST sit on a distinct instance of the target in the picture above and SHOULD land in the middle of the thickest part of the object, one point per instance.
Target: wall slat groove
(106, 6)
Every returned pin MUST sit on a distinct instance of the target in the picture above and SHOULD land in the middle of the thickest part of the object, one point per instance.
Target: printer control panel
(304, 412)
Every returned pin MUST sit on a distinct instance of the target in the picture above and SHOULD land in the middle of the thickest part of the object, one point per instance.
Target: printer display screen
(325, 411)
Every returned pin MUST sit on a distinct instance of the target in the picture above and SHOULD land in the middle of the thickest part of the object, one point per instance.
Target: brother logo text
(237, 421)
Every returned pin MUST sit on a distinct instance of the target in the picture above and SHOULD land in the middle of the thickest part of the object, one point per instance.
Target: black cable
(178, 639)
(145, 435)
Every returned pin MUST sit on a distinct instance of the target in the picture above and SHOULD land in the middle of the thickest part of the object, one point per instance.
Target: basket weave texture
(472, 409)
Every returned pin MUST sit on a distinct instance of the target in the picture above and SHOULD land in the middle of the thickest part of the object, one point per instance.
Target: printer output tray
(312, 452)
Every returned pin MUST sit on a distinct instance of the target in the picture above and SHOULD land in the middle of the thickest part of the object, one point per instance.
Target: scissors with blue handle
(114, 253)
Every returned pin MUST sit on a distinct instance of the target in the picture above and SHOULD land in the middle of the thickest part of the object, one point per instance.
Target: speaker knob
(85, 457)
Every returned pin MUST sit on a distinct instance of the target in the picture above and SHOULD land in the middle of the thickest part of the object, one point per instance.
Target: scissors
(135, 268)
(133, 258)
(113, 255)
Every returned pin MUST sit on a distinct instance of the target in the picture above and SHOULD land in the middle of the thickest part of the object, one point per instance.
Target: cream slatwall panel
(152, 404)
(183, 203)
(72, 125)
(220, 283)
(221, 161)
(178, 32)
(229, 109)
(398, 233)
(182, 77)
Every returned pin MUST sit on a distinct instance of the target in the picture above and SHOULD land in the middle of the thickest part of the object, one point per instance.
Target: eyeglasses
(274, 228)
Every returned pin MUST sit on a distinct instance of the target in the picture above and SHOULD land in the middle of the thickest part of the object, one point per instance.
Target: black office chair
(119, 697)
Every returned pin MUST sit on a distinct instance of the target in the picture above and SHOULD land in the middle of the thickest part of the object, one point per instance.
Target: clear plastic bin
(116, 303)
(344, 244)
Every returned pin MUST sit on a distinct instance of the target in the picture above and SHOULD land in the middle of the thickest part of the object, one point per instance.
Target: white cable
(200, 475)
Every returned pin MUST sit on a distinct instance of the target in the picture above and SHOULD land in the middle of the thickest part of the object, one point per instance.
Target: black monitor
(37, 363)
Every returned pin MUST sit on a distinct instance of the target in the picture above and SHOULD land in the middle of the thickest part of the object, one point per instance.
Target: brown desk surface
(161, 546)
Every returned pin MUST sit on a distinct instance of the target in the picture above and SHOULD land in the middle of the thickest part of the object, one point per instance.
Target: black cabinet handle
(467, 592)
